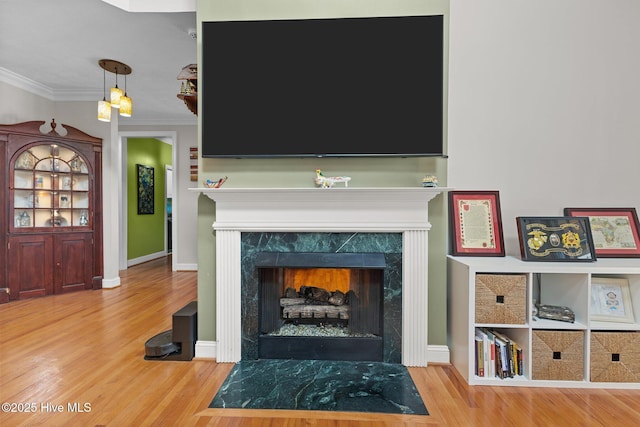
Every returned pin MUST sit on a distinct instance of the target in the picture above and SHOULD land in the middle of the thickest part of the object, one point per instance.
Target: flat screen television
(323, 87)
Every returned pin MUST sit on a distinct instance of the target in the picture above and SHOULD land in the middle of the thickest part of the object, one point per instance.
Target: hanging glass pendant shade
(125, 102)
(104, 106)
(125, 106)
(104, 111)
(116, 94)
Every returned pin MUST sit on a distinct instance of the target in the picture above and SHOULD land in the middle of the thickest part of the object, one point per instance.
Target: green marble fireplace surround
(389, 244)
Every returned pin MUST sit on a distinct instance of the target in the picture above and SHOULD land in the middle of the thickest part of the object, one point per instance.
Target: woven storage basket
(557, 355)
(615, 356)
(501, 298)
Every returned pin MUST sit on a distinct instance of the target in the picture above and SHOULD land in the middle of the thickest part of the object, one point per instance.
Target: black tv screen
(323, 87)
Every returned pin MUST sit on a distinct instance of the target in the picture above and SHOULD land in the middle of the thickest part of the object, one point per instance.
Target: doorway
(168, 211)
(168, 137)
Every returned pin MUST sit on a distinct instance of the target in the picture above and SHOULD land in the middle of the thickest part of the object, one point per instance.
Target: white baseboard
(205, 349)
(145, 258)
(438, 354)
(111, 283)
(435, 353)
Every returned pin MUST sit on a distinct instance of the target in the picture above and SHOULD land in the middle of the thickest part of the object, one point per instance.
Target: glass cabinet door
(51, 188)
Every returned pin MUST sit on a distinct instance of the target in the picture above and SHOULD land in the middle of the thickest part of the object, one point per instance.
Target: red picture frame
(615, 231)
(475, 222)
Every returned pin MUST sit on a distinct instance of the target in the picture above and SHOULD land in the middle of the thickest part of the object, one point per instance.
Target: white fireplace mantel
(388, 209)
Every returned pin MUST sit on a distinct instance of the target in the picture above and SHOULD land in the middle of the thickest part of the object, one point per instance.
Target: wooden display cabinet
(53, 221)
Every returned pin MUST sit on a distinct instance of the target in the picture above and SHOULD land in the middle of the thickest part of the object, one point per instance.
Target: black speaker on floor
(178, 343)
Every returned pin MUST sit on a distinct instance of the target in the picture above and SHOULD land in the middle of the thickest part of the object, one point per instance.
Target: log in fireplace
(326, 306)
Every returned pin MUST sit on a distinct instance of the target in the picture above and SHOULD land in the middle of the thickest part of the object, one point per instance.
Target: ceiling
(52, 48)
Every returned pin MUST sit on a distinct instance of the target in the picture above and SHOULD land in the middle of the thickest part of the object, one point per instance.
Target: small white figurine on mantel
(329, 181)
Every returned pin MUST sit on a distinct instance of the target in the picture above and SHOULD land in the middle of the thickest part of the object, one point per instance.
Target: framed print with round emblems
(561, 238)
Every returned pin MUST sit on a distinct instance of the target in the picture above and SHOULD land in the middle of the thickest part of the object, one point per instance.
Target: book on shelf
(483, 358)
(507, 350)
(489, 351)
(502, 365)
(479, 357)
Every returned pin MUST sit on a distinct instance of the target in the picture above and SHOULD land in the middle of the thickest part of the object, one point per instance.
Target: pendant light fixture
(104, 106)
(118, 98)
(125, 101)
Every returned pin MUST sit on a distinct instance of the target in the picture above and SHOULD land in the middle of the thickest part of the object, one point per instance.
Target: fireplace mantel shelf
(221, 193)
(338, 209)
(321, 209)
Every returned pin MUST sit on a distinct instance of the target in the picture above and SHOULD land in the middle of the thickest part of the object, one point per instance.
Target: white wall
(17, 105)
(544, 104)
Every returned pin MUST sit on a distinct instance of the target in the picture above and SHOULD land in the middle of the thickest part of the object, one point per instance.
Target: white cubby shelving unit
(552, 283)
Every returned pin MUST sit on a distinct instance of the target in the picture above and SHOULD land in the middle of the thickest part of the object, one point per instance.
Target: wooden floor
(77, 360)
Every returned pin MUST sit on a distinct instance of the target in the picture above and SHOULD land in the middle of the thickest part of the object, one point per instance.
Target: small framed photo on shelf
(611, 300)
(615, 231)
(475, 223)
(562, 238)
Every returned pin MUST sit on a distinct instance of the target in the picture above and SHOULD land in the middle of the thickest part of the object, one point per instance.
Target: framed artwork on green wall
(145, 190)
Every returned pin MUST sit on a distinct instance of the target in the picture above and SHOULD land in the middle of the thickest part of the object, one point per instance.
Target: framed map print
(614, 230)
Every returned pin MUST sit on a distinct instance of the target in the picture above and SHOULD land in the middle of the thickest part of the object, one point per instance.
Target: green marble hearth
(320, 385)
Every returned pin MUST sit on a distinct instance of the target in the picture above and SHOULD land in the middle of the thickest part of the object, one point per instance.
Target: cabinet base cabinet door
(31, 272)
(50, 264)
(73, 262)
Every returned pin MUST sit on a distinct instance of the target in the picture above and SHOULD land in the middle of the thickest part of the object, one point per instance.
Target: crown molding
(45, 91)
(26, 84)
(154, 5)
(158, 122)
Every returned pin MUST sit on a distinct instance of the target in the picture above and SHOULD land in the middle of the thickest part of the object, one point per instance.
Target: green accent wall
(145, 233)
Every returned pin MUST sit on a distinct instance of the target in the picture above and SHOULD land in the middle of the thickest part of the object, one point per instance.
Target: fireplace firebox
(326, 306)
